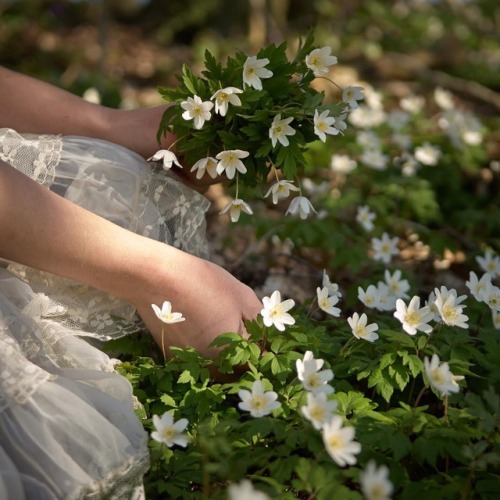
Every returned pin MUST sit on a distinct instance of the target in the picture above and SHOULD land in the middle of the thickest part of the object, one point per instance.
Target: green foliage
(246, 126)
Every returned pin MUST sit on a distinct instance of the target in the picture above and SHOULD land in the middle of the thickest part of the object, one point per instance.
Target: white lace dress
(68, 428)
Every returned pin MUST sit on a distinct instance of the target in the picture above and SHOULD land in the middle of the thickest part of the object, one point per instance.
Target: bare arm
(47, 232)
(31, 105)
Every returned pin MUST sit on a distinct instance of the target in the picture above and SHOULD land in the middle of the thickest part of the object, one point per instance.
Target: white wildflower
(323, 125)
(360, 329)
(375, 482)
(319, 60)
(319, 409)
(224, 97)
(197, 110)
(413, 317)
(235, 207)
(280, 129)
(312, 377)
(169, 432)
(258, 402)
(208, 164)
(365, 217)
(440, 376)
(281, 190)
(351, 95)
(385, 248)
(339, 442)
(166, 315)
(302, 206)
(326, 302)
(167, 157)
(275, 311)
(230, 162)
(253, 70)
(342, 164)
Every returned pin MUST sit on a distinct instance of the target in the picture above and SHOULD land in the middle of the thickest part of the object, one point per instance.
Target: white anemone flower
(360, 329)
(351, 95)
(397, 286)
(369, 297)
(386, 299)
(440, 376)
(230, 162)
(375, 482)
(167, 157)
(275, 311)
(280, 129)
(491, 296)
(318, 409)
(235, 207)
(319, 60)
(166, 315)
(385, 248)
(208, 165)
(343, 164)
(224, 97)
(365, 217)
(326, 302)
(489, 263)
(323, 125)
(254, 70)
(495, 318)
(451, 313)
(244, 490)
(339, 442)
(413, 317)
(312, 377)
(281, 190)
(258, 402)
(169, 432)
(427, 154)
(197, 110)
(333, 288)
(478, 286)
(301, 206)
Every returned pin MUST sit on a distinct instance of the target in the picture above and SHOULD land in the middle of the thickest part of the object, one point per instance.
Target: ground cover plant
(405, 203)
(383, 382)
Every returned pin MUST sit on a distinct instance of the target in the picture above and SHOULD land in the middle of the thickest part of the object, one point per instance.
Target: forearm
(32, 106)
(43, 230)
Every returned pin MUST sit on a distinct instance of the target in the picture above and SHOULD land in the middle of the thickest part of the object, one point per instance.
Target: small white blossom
(385, 248)
(374, 158)
(275, 311)
(427, 154)
(208, 164)
(230, 162)
(440, 376)
(397, 286)
(254, 70)
(369, 297)
(449, 309)
(413, 317)
(326, 302)
(351, 95)
(224, 97)
(281, 190)
(302, 206)
(319, 60)
(360, 329)
(340, 122)
(244, 490)
(491, 296)
(197, 110)
(333, 288)
(342, 164)
(365, 217)
(258, 402)
(375, 482)
(280, 129)
(443, 98)
(235, 207)
(386, 299)
(319, 409)
(312, 377)
(413, 104)
(166, 315)
(397, 119)
(478, 286)
(169, 432)
(339, 442)
(167, 157)
(489, 263)
(495, 318)
(323, 125)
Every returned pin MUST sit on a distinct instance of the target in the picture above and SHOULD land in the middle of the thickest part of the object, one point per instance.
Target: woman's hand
(211, 299)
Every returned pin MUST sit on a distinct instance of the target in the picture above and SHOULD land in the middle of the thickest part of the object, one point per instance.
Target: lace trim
(35, 155)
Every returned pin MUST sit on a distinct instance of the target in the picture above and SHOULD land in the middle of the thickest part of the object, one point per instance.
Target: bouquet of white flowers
(253, 117)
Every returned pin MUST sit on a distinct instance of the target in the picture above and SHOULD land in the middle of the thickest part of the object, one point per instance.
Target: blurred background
(123, 49)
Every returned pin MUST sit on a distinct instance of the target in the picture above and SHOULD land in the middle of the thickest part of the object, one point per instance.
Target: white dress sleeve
(68, 428)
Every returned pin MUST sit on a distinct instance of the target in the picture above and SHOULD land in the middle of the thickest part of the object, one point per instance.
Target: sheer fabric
(68, 429)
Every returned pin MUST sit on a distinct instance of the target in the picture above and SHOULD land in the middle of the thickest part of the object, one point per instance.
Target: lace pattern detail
(35, 156)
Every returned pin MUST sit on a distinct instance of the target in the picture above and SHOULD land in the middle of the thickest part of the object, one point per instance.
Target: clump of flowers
(254, 116)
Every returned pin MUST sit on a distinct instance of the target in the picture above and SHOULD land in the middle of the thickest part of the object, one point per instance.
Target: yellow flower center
(313, 380)
(412, 318)
(258, 402)
(449, 313)
(168, 433)
(377, 492)
(360, 330)
(335, 442)
(318, 413)
(437, 376)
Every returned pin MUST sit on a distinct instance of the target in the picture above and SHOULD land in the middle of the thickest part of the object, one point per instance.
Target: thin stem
(163, 344)
(331, 81)
(419, 397)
